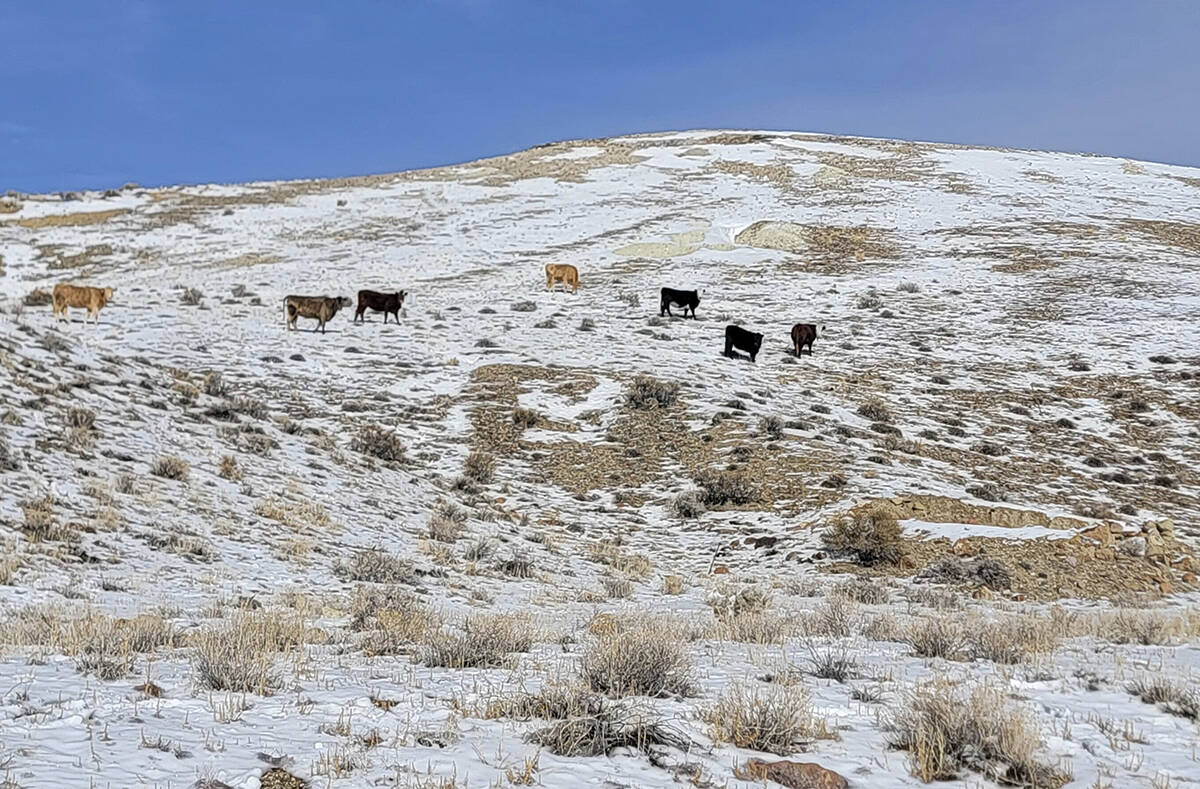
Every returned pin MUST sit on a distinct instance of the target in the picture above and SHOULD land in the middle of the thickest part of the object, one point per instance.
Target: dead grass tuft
(642, 660)
(379, 443)
(947, 730)
(647, 392)
(772, 718)
(169, 467)
(485, 641)
(871, 537)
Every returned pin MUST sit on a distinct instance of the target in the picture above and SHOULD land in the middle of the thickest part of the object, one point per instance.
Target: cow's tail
(285, 315)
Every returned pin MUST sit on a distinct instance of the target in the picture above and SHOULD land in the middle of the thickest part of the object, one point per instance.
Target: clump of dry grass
(214, 385)
(37, 298)
(479, 467)
(485, 641)
(169, 467)
(983, 571)
(1148, 627)
(876, 410)
(393, 620)
(688, 505)
(100, 644)
(1012, 639)
(672, 584)
(1175, 696)
(229, 468)
(648, 392)
(611, 554)
(40, 524)
(947, 730)
(525, 417)
(942, 637)
(772, 718)
(722, 487)
(447, 521)
(835, 618)
(645, 658)
(871, 537)
(191, 297)
(605, 727)
(376, 565)
(866, 591)
(379, 443)
(240, 656)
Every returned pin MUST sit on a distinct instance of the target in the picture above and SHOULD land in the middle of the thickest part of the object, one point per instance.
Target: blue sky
(94, 94)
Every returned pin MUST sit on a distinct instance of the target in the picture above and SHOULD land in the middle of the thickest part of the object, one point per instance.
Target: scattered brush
(376, 566)
(169, 467)
(771, 427)
(984, 571)
(773, 718)
(721, 487)
(485, 641)
(609, 727)
(688, 505)
(947, 730)
(1174, 696)
(647, 392)
(229, 468)
(876, 410)
(480, 467)
(447, 521)
(191, 297)
(866, 591)
(525, 417)
(871, 537)
(377, 442)
(643, 660)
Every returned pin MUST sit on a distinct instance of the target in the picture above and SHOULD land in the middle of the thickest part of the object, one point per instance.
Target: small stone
(1133, 546)
(720, 569)
(793, 775)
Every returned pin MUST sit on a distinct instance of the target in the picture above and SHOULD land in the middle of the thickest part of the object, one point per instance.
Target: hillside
(232, 551)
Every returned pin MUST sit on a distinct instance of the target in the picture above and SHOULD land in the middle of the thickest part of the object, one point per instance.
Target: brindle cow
(387, 303)
(803, 334)
(320, 308)
(565, 273)
(91, 299)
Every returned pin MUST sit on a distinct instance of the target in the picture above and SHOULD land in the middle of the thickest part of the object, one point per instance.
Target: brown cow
(320, 308)
(91, 299)
(803, 334)
(565, 273)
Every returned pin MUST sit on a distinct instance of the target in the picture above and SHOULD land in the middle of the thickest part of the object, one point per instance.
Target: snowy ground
(1026, 320)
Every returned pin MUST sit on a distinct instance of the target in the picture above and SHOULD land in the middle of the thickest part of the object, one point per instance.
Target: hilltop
(391, 533)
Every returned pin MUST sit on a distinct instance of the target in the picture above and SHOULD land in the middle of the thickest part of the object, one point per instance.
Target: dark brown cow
(803, 334)
(320, 308)
(387, 303)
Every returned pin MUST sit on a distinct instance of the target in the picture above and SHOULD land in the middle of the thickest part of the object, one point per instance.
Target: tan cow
(320, 308)
(565, 273)
(91, 299)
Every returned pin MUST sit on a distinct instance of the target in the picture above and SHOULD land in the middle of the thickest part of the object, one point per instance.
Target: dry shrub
(876, 410)
(395, 620)
(377, 442)
(480, 467)
(191, 297)
(1012, 639)
(37, 298)
(554, 701)
(485, 641)
(610, 553)
(81, 418)
(871, 537)
(8, 567)
(718, 488)
(772, 427)
(100, 644)
(39, 523)
(607, 727)
(169, 467)
(1174, 696)
(447, 521)
(947, 730)
(229, 468)
(9, 458)
(648, 392)
(688, 505)
(647, 658)
(1145, 627)
(240, 656)
(214, 385)
(773, 718)
(835, 618)
(866, 591)
(295, 514)
(525, 417)
(943, 637)
(984, 571)
(616, 588)
(672, 584)
(376, 566)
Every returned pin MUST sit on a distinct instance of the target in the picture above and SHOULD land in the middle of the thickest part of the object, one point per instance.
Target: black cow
(387, 303)
(688, 299)
(737, 337)
(803, 334)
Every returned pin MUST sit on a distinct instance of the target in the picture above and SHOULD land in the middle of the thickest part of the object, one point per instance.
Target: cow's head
(757, 342)
(400, 296)
(344, 301)
(108, 293)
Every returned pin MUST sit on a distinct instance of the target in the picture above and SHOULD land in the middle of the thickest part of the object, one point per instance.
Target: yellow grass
(78, 219)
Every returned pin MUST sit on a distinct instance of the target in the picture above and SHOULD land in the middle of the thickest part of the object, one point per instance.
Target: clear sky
(94, 94)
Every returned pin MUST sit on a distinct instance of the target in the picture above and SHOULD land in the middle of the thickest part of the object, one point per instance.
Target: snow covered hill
(234, 553)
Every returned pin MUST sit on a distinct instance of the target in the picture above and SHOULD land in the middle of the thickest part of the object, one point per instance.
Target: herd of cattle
(323, 308)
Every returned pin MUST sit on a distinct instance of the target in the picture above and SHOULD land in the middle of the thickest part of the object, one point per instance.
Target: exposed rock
(1134, 546)
(794, 775)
